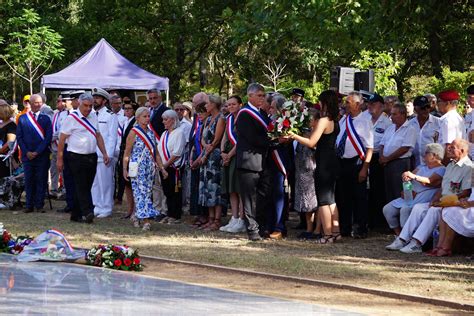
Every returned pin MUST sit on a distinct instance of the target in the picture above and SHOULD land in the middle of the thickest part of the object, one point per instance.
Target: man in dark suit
(34, 134)
(157, 108)
(251, 152)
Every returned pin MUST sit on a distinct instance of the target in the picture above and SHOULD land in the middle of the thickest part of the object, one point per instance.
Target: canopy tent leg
(168, 97)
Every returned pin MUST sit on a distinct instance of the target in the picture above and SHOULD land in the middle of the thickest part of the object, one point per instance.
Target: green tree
(31, 48)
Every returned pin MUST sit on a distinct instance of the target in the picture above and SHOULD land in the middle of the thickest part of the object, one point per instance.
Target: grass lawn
(357, 262)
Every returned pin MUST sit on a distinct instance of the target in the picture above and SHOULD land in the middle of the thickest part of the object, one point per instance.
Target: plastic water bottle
(408, 192)
(435, 237)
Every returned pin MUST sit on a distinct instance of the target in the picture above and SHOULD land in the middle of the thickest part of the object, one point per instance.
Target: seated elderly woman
(424, 217)
(171, 147)
(426, 178)
(454, 220)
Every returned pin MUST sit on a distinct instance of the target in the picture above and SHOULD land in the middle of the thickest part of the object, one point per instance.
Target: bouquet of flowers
(292, 118)
(114, 257)
(10, 244)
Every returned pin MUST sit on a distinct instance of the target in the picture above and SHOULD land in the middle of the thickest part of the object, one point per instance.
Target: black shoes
(89, 218)
(64, 210)
(28, 210)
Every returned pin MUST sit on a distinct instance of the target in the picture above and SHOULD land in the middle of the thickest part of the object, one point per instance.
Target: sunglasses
(179, 110)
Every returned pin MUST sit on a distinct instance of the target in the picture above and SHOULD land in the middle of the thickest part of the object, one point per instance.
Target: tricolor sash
(230, 130)
(279, 162)
(255, 114)
(120, 131)
(35, 124)
(164, 146)
(157, 137)
(85, 122)
(197, 136)
(354, 138)
(146, 139)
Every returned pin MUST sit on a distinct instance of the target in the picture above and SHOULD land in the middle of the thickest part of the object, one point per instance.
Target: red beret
(448, 95)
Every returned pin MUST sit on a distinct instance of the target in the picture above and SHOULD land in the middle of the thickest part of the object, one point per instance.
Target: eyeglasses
(179, 110)
(127, 108)
(153, 98)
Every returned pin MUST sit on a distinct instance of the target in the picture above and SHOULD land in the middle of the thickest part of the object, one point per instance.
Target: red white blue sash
(197, 136)
(59, 234)
(255, 114)
(85, 122)
(35, 124)
(230, 130)
(164, 146)
(157, 137)
(146, 139)
(120, 131)
(354, 138)
(279, 162)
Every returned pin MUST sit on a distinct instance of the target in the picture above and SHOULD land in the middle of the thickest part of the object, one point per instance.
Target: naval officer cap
(298, 92)
(101, 92)
(76, 93)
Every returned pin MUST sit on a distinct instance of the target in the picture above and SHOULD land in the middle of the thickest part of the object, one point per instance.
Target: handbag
(133, 166)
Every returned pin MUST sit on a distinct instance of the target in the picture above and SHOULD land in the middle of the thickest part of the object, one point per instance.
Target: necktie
(342, 145)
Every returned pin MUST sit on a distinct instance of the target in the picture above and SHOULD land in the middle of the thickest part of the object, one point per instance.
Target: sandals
(215, 225)
(337, 236)
(210, 221)
(432, 252)
(198, 222)
(326, 239)
(442, 252)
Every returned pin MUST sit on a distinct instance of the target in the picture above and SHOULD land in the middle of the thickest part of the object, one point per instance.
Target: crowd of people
(343, 173)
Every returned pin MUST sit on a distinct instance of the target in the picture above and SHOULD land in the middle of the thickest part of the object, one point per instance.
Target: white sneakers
(412, 247)
(405, 247)
(397, 244)
(235, 225)
(231, 223)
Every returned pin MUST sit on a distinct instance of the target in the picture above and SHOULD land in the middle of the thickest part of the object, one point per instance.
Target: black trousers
(83, 169)
(352, 198)
(376, 194)
(119, 182)
(174, 200)
(68, 180)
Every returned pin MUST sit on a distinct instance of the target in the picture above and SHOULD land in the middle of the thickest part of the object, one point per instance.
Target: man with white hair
(34, 135)
(103, 187)
(81, 131)
(354, 147)
(425, 216)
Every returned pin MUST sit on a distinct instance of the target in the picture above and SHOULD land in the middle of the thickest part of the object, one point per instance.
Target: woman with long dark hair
(324, 136)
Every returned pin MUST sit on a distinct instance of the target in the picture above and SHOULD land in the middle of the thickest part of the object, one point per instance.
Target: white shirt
(108, 126)
(80, 140)
(175, 145)
(379, 128)
(363, 128)
(404, 136)
(451, 127)
(428, 134)
(469, 123)
(186, 126)
(122, 123)
(367, 115)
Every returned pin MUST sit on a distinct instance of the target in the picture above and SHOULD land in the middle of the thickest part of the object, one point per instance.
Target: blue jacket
(28, 138)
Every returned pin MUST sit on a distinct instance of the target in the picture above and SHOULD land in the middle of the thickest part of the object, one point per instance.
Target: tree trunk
(202, 71)
(13, 86)
(435, 50)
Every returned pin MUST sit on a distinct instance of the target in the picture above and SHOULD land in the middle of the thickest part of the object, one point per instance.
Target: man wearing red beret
(451, 123)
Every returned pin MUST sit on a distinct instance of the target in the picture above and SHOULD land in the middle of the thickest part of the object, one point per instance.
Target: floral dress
(305, 165)
(210, 176)
(142, 184)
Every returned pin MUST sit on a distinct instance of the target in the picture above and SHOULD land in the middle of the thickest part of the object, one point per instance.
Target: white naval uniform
(469, 123)
(103, 187)
(451, 127)
(379, 128)
(393, 139)
(428, 134)
(122, 123)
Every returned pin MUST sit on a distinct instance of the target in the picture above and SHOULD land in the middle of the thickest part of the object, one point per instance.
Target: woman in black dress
(324, 136)
(7, 135)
